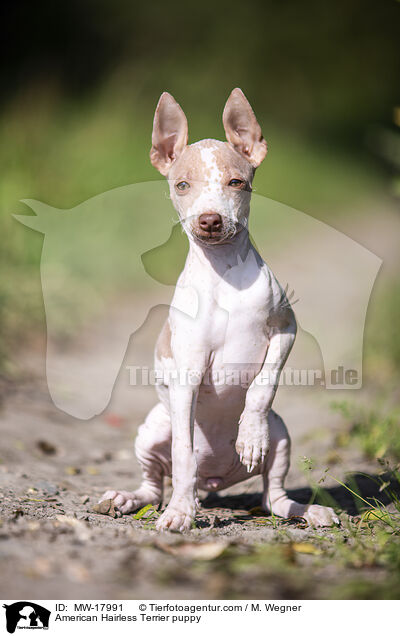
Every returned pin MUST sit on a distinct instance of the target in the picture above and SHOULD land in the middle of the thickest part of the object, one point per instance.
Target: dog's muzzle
(211, 227)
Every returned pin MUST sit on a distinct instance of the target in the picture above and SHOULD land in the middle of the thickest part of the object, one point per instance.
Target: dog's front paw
(319, 516)
(178, 516)
(252, 442)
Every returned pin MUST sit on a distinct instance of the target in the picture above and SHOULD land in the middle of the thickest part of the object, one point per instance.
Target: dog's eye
(236, 183)
(182, 186)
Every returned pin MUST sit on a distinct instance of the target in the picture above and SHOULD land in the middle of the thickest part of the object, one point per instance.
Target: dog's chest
(239, 318)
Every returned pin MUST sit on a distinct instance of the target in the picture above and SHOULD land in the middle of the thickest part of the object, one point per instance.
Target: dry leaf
(376, 514)
(106, 507)
(306, 548)
(196, 551)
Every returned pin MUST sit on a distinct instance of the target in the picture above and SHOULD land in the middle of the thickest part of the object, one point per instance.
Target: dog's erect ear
(170, 133)
(242, 128)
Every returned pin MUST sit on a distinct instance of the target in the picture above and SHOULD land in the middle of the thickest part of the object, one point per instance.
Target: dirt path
(53, 469)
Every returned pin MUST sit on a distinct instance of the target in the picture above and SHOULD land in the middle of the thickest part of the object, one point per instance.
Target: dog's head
(210, 181)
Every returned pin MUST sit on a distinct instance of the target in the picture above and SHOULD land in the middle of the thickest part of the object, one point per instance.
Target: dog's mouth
(211, 239)
(226, 231)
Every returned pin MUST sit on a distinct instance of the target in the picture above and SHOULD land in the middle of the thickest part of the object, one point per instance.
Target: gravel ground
(53, 545)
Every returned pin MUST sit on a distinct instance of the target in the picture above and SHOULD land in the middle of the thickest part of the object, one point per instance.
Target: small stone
(217, 523)
(106, 507)
(46, 447)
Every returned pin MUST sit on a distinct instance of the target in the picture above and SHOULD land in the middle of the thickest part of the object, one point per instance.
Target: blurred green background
(80, 81)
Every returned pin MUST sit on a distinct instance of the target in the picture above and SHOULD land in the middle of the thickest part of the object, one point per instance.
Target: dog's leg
(275, 498)
(181, 509)
(153, 450)
(252, 442)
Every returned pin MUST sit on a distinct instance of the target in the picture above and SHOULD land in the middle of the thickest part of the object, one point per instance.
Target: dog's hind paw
(126, 501)
(319, 516)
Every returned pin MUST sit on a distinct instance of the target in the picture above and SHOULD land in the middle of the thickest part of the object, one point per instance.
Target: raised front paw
(252, 442)
(321, 516)
(178, 516)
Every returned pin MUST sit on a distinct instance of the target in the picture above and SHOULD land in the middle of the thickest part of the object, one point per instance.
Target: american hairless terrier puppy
(210, 434)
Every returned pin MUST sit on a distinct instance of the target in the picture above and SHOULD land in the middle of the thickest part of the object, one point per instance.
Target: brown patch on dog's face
(192, 163)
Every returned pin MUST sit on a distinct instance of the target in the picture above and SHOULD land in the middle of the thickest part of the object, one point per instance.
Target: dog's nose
(210, 222)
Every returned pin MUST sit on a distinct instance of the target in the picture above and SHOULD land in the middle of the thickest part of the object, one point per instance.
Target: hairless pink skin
(213, 435)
